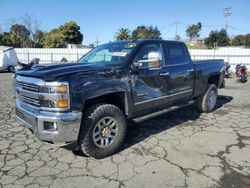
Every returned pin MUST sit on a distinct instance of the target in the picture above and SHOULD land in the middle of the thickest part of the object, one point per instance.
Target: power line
(235, 28)
(209, 26)
(164, 27)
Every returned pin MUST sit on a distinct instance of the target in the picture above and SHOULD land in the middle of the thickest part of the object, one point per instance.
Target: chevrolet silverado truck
(89, 102)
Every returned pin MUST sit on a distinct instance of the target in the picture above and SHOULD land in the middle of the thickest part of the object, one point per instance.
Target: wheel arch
(215, 79)
(119, 99)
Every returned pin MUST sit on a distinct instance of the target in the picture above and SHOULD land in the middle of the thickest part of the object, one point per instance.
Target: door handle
(190, 70)
(164, 73)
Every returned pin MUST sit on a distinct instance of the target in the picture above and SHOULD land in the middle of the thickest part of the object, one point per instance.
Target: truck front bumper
(57, 128)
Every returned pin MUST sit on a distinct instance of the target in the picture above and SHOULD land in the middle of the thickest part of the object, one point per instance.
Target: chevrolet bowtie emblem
(40, 96)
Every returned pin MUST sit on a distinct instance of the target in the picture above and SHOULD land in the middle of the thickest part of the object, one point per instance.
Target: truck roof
(147, 40)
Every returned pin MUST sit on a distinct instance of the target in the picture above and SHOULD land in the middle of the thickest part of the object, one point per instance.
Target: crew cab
(90, 101)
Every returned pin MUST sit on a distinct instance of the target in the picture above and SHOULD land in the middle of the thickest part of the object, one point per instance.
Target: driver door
(148, 81)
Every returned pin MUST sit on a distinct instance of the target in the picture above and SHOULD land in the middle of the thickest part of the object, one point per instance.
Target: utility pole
(215, 43)
(97, 41)
(227, 13)
(176, 29)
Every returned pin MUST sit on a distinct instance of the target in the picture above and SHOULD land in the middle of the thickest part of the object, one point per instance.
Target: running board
(149, 116)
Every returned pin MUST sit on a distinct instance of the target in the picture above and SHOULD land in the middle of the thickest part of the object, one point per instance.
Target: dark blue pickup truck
(89, 102)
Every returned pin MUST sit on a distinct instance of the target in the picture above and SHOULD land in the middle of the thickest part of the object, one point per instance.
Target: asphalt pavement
(183, 148)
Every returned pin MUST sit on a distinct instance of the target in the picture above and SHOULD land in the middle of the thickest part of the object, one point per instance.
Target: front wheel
(207, 102)
(103, 130)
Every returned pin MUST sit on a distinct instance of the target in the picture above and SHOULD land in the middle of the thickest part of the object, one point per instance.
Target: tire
(94, 139)
(11, 69)
(243, 78)
(223, 85)
(206, 102)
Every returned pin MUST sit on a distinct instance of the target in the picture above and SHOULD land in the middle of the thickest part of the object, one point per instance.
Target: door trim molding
(163, 97)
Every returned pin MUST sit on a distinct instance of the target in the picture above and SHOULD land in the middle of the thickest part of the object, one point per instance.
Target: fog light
(63, 103)
(50, 126)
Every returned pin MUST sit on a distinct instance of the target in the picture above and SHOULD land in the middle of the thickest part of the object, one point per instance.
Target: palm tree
(123, 34)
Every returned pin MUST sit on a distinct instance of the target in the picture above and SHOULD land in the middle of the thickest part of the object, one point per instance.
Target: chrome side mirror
(154, 62)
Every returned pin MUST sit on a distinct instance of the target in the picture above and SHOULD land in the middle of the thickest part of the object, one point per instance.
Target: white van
(8, 59)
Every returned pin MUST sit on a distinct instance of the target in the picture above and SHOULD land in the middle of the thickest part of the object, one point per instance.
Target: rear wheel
(243, 78)
(102, 131)
(11, 69)
(207, 102)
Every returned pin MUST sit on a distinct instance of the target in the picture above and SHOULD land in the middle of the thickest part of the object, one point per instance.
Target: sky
(102, 18)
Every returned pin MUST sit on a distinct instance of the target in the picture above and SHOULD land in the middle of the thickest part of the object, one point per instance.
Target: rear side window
(175, 53)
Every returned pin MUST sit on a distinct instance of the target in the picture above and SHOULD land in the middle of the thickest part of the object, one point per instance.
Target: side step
(169, 109)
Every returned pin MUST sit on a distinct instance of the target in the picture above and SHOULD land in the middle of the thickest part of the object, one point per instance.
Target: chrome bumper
(68, 124)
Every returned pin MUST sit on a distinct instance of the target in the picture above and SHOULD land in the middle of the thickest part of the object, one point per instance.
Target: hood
(50, 72)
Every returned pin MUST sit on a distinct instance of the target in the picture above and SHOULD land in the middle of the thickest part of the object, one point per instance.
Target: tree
(23, 24)
(71, 32)
(54, 39)
(241, 40)
(143, 32)
(220, 38)
(247, 40)
(123, 34)
(92, 45)
(5, 39)
(20, 36)
(67, 33)
(238, 40)
(193, 31)
(38, 38)
(31, 23)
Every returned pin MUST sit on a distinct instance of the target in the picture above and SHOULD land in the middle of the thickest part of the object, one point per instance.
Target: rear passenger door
(180, 71)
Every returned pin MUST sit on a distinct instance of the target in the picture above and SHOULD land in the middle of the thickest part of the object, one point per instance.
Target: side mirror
(154, 62)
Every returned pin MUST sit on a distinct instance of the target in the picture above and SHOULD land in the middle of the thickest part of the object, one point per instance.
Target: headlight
(63, 88)
(54, 96)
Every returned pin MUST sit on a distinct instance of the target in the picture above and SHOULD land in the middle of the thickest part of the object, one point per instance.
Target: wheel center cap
(106, 131)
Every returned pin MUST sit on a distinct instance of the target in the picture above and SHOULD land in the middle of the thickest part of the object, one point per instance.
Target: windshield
(113, 53)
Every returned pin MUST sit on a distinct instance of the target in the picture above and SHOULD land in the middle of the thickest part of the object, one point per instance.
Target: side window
(175, 53)
(147, 52)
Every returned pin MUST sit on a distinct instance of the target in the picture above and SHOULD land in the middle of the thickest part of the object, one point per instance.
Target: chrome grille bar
(29, 100)
(27, 86)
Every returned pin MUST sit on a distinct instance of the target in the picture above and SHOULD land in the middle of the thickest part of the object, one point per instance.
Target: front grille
(22, 87)
(29, 100)
(27, 86)
(29, 92)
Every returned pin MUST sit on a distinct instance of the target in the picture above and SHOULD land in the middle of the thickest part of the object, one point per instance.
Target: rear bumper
(67, 125)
